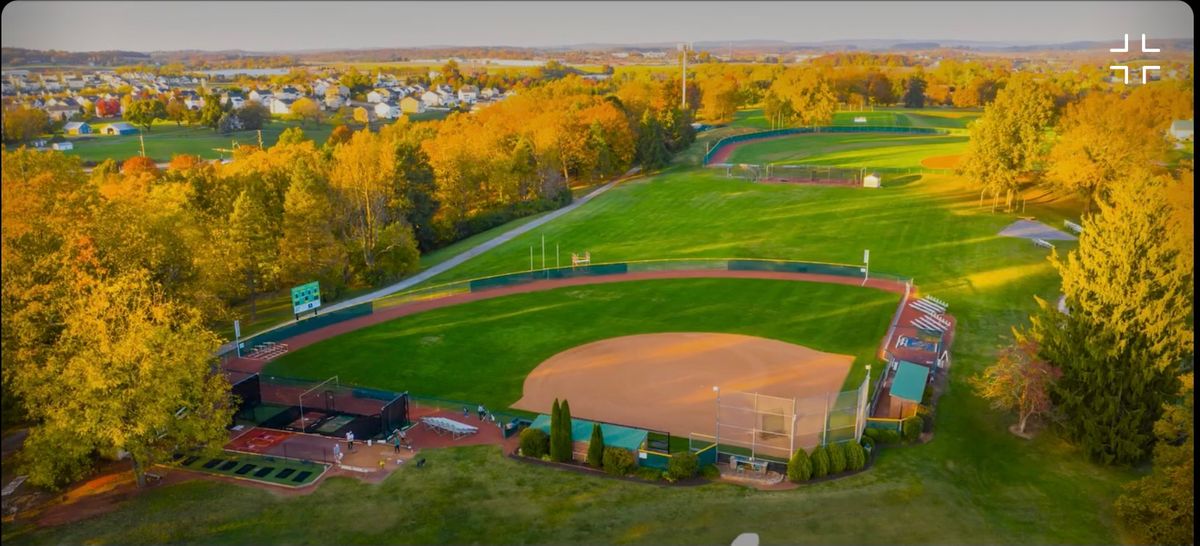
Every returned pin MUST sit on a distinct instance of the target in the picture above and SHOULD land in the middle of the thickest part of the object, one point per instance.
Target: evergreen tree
(799, 467)
(1128, 330)
(652, 150)
(252, 247)
(914, 94)
(555, 432)
(596, 447)
(567, 448)
(309, 249)
(820, 462)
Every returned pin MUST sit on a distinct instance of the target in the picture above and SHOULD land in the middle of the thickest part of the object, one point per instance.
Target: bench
(1073, 226)
(1043, 243)
(739, 464)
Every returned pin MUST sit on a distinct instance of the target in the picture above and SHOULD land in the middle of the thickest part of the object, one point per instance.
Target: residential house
(261, 96)
(119, 128)
(61, 112)
(77, 128)
(64, 145)
(281, 107)
(379, 95)
(386, 110)
(411, 105)
(234, 99)
(489, 93)
(333, 101)
(362, 112)
(431, 98)
(1182, 130)
(289, 93)
(468, 93)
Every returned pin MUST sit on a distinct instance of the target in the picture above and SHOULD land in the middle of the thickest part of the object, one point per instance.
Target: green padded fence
(812, 130)
(309, 324)
(548, 274)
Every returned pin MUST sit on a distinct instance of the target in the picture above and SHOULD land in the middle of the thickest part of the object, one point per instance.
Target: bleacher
(267, 351)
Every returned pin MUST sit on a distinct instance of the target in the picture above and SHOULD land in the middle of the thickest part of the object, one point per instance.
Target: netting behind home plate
(775, 427)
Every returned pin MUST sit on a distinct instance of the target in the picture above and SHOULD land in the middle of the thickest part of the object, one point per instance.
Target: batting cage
(327, 407)
(813, 174)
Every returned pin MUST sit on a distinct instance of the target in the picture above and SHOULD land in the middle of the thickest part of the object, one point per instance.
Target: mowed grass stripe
(482, 351)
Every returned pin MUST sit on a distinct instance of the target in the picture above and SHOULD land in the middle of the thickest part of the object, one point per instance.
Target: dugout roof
(909, 383)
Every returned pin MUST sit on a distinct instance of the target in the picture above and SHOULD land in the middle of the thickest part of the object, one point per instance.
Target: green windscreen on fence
(614, 435)
(828, 129)
(525, 277)
(309, 324)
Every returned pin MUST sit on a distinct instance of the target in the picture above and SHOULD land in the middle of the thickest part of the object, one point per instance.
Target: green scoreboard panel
(306, 297)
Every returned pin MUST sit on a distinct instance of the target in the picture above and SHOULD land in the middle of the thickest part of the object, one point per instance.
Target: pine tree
(799, 467)
(1128, 330)
(596, 447)
(252, 246)
(555, 431)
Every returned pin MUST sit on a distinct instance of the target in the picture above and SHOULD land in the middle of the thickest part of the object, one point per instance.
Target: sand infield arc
(665, 381)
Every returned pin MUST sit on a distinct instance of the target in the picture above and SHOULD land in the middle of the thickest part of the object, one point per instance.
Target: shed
(119, 128)
(909, 382)
(871, 180)
(77, 128)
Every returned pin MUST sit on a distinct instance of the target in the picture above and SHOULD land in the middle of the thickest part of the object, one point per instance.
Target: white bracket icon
(1125, 69)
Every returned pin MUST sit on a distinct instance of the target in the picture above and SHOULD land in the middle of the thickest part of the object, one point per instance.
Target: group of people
(481, 411)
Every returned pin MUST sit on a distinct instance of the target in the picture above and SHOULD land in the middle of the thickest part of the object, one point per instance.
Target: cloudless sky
(279, 26)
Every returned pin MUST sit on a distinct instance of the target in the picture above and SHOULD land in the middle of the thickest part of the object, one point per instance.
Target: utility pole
(684, 48)
(260, 145)
(142, 139)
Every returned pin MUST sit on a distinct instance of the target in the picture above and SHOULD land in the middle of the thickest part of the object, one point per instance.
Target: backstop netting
(813, 174)
(771, 427)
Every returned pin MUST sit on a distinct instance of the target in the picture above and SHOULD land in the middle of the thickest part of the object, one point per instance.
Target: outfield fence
(745, 137)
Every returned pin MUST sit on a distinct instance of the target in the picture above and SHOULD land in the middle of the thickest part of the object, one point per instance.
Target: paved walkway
(462, 257)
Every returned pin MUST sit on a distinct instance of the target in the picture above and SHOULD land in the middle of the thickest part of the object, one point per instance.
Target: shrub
(872, 433)
(927, 396)
(868, 444)
(596, 447)
(799, 467)
(856, 459)
(926, 415)
(710, 472)
(683, 466)
(888, 436)
(534, 443)
(618, 461)
(837, 459)
(820, 462)
(912, 428)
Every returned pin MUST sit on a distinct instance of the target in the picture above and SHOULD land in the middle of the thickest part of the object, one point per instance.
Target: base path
(665, 381)
(390, 313)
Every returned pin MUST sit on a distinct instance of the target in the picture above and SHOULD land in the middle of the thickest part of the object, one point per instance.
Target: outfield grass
(439, 352)
(878, 150)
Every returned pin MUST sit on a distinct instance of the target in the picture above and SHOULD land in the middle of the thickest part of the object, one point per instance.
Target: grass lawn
(436, 353)
(165, 140)
(849, 150)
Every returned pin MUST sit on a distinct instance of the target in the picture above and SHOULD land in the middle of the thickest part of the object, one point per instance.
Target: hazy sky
(267, 26)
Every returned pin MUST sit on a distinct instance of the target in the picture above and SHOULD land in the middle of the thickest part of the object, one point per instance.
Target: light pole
(717, 431)
(684, 48)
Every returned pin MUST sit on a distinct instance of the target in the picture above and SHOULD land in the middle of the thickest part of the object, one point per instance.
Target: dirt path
(389, 313)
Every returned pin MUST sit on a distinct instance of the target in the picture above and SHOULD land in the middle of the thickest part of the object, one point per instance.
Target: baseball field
(973, 483)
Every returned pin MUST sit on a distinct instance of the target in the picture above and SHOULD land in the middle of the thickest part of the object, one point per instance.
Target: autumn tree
(1006, 141)
(1019, 381)
(210, 113)
(145, 112)
(22, 124)
(719, 99)
(309, 248)
(1101, 141)
(252, 116)
(339, 135)
(1161, 508)
(804, 96)
(291, 135)
(250, 247)
(306, 110)
(177, 111)
(1128, 328)
(130, 371)
(139, 164)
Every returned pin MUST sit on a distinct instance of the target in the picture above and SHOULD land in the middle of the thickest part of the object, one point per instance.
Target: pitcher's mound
(665, 381)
